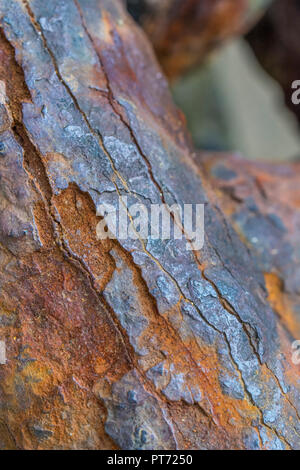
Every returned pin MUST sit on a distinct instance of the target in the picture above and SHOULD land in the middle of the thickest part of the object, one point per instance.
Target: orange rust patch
(226, 414)
(13, 76)
(44, 225)
(39, 377)
(62, 342)
(280, 303)
(79, 221)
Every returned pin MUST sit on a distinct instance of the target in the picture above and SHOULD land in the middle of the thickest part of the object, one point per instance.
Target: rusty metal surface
(133, 344)
(184, 33)
(262, 201)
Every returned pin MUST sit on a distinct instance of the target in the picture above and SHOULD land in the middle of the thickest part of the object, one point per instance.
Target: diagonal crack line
(168, 324)
(21, 135)
(62, 243)
(56, 68)
(101, 142)
(59, 235)
(99, 138)
(146, 382)
(160, 190)
(241, 378)
(232, 311)
(250, 398)
(112, 101)
(10, 433)
(229, 308)
(284, 393)
(96, 134)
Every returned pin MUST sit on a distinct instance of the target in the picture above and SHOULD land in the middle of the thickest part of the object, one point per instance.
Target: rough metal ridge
(120, 343)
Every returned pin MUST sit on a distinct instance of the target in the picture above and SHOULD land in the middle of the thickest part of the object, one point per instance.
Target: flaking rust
(119, 343)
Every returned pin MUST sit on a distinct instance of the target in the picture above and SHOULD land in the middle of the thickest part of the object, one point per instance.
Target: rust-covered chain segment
(183, 33)
(122, 343)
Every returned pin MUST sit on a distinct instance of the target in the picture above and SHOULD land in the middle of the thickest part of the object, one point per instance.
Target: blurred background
(231, 65)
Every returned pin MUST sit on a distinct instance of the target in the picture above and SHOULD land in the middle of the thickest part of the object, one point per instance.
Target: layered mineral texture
(130, 343)
(184, 32)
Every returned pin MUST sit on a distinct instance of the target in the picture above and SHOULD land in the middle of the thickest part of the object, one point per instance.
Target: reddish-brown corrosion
(126, 343)
(183, 33)
(265, 190)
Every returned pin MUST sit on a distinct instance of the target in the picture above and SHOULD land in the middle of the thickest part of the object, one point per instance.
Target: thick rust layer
(122, 343)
